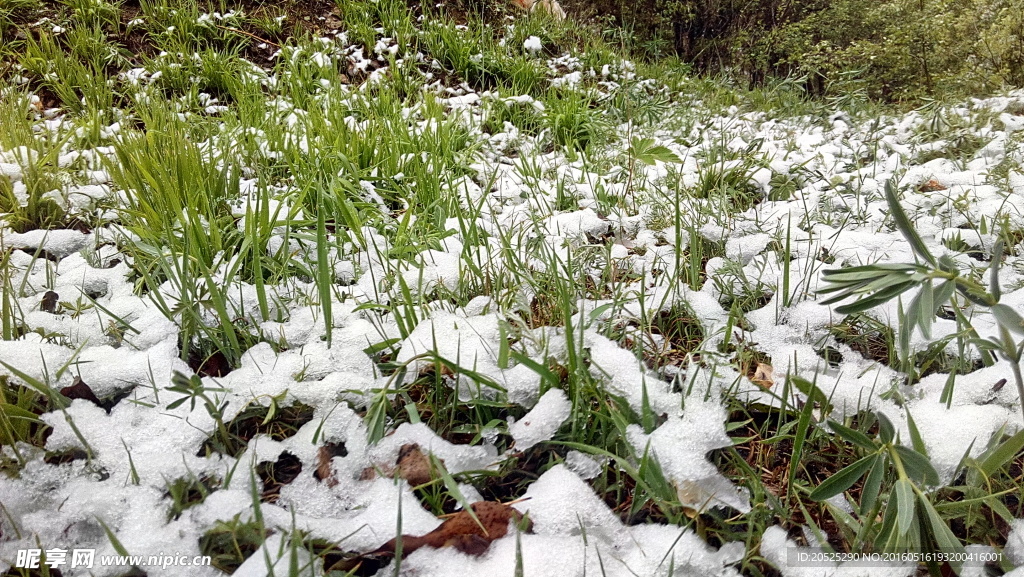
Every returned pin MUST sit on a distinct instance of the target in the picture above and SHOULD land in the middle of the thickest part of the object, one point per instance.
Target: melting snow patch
(542, 421)
(59, 243)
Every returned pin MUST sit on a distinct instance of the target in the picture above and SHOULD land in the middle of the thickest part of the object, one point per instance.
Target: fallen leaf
(763, 375)
(49, 302)
(931, 186)
(413, 465)
(80, 390)
(462, 531)
(324, 472)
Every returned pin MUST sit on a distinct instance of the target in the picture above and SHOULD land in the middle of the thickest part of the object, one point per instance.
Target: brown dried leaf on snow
(931, 186)
(49, 302)
(413, 465)
(462, 531)
(324, 470)
(763, 375)
(80, 390)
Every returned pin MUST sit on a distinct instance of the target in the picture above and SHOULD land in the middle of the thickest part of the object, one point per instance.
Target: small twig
(519, 500)
(450, 515)
(249, 34)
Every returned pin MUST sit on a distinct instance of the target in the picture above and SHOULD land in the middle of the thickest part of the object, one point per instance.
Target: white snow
(527, 211)
(542, 421)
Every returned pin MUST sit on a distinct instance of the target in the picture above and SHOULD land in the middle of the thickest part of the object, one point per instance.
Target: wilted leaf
(763, 375)
(462, 530)
(413, 465)
(80, 390)
(49, 301)
(324, 472)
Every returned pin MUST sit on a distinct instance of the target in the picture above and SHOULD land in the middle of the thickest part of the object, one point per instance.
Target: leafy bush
(893, 49)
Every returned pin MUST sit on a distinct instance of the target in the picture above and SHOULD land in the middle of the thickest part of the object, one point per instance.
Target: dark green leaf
(854, 436)
(915, 436)
(885, 429)
(904, 225)
(798, 441)
(842, 480)
(453, 489)
(813, 392)
(644, 150)
(994, 459)
(114, 541)
(872, 485)
(917, 466)
(176, 404)
(945, 540)
(885, 534)
(549, 378)
(903, 494)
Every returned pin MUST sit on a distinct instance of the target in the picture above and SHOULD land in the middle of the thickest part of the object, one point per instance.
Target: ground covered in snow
(594, 297)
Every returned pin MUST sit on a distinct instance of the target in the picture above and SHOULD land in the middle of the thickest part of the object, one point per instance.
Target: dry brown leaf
(931, 186)
(462, 531)
(324, 470)
(49, 302)
(413, 465)
(763, 375)
(80, 390)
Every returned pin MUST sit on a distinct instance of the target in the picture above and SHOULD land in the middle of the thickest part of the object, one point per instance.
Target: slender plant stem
(1015, 366)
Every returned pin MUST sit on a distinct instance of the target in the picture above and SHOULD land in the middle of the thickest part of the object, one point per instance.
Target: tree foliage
(890, 49)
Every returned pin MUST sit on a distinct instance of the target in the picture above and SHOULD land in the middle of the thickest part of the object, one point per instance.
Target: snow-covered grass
(247, 274)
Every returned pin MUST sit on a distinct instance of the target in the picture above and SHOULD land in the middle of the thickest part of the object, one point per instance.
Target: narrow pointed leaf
(842, 480)
(945, 540)
(903, 493)
(1008, 318)
(926, 309)
(885, 534)
(872, 485)
(1002, 454)
(852, 435)
(944, 292)
(878, 298)
(885, 429)
(915, 436)
(978, 299)
(904, 225)
(993, 270)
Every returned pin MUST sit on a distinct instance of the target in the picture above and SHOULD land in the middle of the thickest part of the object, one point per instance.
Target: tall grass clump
(179, 229)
